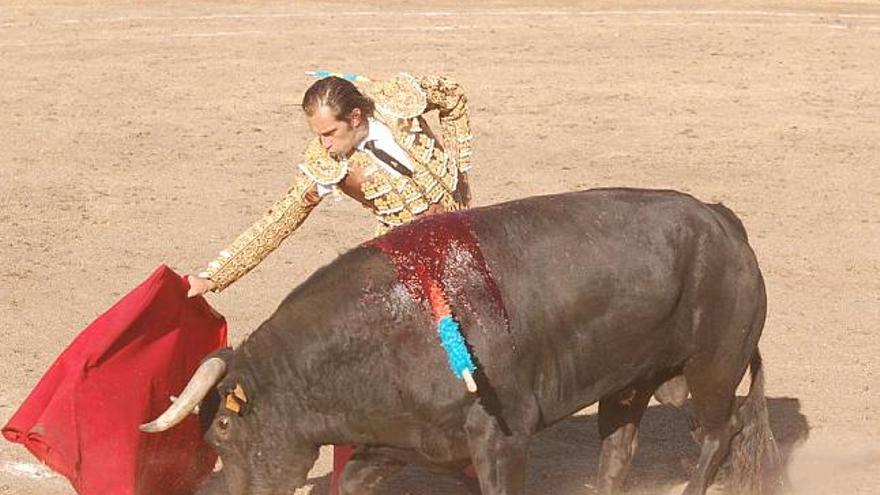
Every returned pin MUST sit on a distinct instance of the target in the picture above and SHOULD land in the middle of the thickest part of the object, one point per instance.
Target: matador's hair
(339, 95)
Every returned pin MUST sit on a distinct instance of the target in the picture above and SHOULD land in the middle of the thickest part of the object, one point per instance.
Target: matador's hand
(198, 285)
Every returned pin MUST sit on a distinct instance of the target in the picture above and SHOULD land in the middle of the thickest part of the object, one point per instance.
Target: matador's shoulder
(400, 97)
(320, 166)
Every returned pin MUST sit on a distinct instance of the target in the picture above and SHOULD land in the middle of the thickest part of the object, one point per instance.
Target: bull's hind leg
(619, 417)
(498, 455)
(712, 382)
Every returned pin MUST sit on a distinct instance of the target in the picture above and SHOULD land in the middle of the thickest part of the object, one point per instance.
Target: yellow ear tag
(239, 393)
(235, 399)
(232, 404)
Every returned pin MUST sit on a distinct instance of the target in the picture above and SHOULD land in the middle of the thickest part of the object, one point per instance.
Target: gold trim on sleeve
(265, 235)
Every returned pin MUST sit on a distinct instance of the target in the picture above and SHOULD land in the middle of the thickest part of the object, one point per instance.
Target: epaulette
(400, 97)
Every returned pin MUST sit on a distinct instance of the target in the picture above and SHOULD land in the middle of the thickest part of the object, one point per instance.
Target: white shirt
(380, 133)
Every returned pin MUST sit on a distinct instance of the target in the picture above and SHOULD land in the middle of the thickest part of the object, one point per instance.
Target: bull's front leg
(619, 417)
(499, 456)
(366, 470)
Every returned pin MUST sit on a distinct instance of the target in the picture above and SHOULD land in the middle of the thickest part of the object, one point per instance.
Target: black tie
(385, 157)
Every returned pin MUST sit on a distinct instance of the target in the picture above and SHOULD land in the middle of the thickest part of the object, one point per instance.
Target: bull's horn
(208, 374)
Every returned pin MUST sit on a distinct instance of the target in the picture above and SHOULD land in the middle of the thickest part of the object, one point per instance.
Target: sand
(134, 134)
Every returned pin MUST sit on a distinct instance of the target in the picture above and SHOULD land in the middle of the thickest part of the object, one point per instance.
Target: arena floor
(140, 133)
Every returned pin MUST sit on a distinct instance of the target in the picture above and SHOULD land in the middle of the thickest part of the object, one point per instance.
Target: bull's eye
(223, 423)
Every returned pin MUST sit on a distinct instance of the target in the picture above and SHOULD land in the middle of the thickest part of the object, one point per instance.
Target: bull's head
(259, 455)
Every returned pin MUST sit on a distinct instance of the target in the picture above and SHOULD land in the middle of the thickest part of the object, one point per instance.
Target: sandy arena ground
(134, 134)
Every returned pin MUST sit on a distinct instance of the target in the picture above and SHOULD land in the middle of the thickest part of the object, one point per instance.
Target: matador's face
(339, 137)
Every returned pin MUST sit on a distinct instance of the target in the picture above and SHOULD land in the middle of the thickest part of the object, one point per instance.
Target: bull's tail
(756, 466)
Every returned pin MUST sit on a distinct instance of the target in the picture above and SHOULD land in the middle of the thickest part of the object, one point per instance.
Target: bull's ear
(231, 404)
(235, 400)
(239, 394)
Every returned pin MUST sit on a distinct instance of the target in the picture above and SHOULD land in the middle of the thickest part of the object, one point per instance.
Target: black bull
(564, 300)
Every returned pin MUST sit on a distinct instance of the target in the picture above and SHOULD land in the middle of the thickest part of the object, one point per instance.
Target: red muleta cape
(82, 418)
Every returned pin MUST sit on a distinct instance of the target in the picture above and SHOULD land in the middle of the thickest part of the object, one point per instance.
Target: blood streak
(439, 251)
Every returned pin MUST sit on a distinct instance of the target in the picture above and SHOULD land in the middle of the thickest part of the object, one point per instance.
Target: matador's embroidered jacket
(433, 187)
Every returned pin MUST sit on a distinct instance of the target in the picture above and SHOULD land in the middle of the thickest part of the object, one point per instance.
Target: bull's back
(562, 299)
(593, 283)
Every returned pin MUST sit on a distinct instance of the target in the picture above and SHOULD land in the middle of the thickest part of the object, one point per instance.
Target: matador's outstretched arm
(265, 235)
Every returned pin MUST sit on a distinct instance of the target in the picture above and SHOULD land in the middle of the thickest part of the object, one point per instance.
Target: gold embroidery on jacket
(450, 101)
(401, 97)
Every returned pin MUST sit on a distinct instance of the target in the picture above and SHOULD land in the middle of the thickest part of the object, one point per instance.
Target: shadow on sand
(563, 459)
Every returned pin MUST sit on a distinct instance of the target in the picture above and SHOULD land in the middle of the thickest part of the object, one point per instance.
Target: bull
(607, 295)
